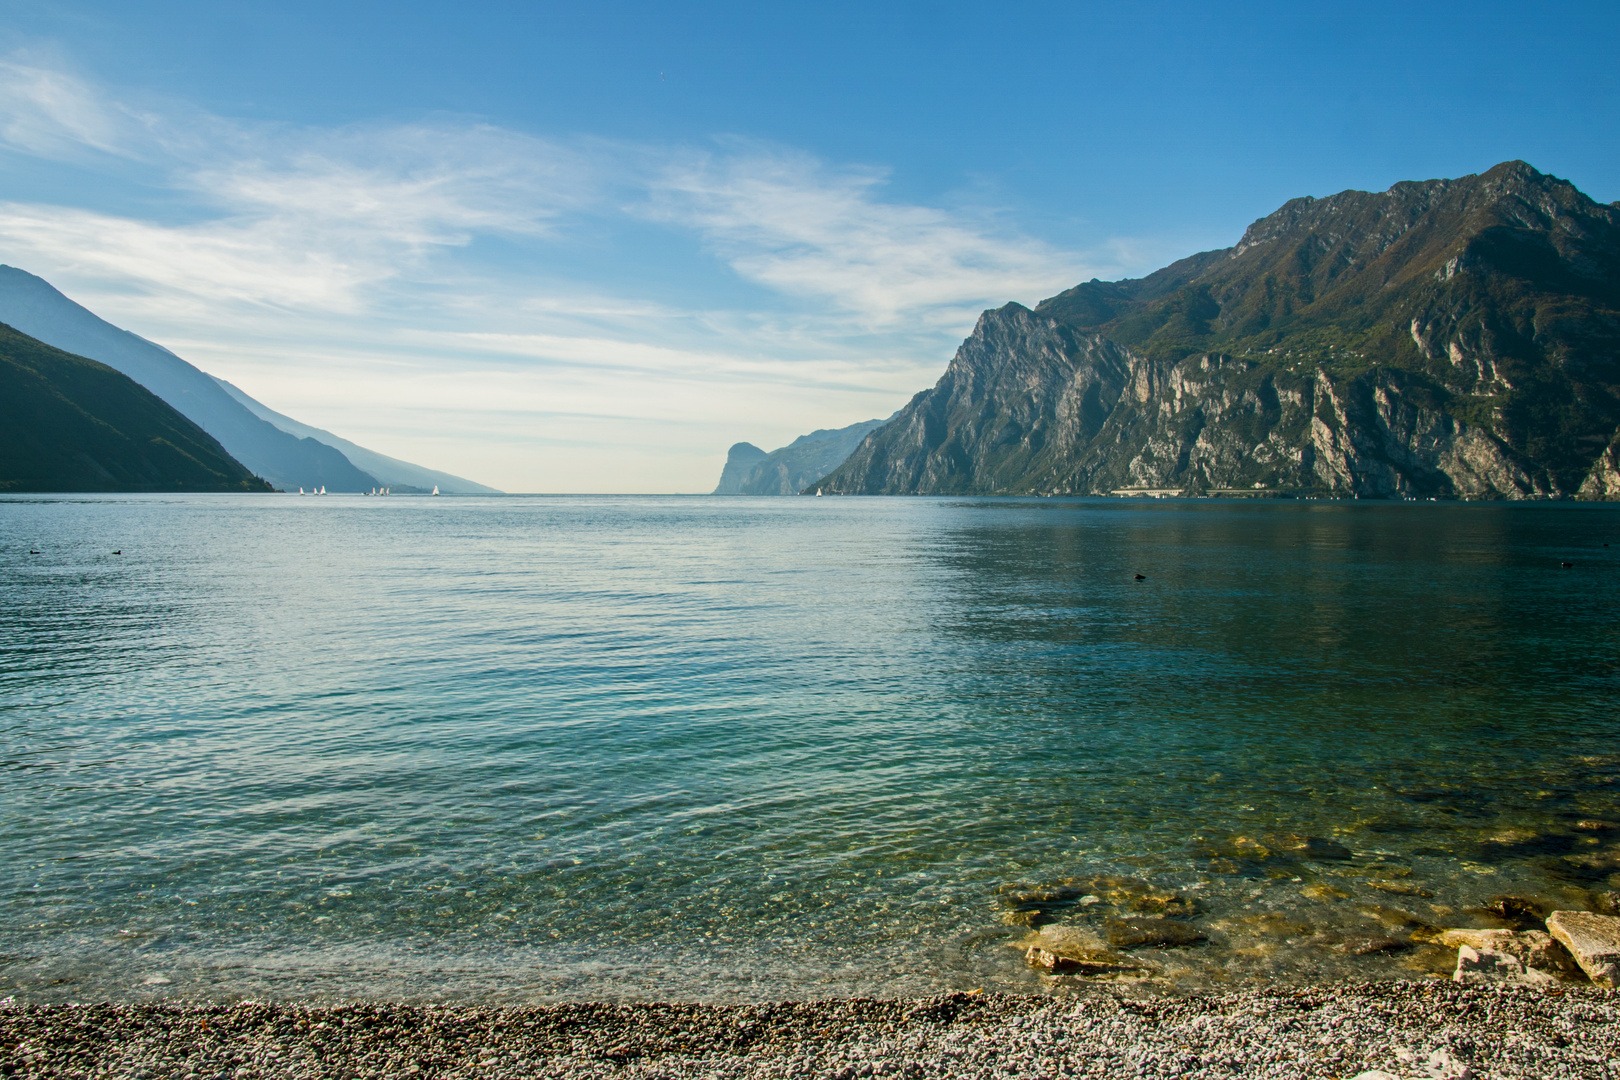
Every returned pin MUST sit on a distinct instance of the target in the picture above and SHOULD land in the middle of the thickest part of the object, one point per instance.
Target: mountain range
(791, 468)
(1444, 338)
(284, 452)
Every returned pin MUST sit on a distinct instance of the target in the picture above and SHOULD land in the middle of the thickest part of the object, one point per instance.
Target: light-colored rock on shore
(1594, 941)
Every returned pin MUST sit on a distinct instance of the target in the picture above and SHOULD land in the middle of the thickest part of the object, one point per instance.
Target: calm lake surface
(531, 748)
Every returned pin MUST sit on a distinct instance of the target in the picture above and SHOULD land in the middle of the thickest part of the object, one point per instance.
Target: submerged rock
(1308, 847)
(1155, 933)
(1396, 919)
(1401, 888)
(1050, 963)
(1519, 911)
(1035, 905)
(1606, 861)
(1319, 891)
(1073, 950)
(1369, 946)
(1133, 894)
(1593, 940)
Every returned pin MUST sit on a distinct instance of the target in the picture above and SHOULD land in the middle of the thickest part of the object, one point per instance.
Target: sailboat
(435, 489)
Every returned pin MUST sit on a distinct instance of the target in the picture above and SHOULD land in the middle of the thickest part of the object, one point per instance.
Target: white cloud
(788, 221)
(53, 113)
(275, 215)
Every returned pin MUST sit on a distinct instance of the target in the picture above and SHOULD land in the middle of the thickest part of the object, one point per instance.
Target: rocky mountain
(1445, 338)
(71, 424)
(794, 467)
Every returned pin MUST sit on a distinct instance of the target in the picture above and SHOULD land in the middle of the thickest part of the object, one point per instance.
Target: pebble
(1405, 1030)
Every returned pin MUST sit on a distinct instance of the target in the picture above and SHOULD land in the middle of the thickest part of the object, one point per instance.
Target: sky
(587, 247)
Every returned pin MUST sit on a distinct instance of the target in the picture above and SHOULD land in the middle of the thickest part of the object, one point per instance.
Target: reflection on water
(518, 748)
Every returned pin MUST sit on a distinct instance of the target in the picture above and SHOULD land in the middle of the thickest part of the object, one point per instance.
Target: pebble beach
(1405, 1030)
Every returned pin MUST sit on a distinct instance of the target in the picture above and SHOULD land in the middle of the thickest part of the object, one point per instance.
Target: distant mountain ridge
(72, 424)
(272, 448)
(790, 469)
(398, 476)
(1448, 338)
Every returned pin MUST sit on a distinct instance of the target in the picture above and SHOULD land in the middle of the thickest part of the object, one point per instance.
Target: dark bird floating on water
(1141, 577)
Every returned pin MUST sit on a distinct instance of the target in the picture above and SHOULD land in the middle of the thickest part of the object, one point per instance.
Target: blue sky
(587, 247)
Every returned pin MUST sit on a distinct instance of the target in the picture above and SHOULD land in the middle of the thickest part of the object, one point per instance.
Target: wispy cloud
(49, 111)
(791, 222)
(277, 215)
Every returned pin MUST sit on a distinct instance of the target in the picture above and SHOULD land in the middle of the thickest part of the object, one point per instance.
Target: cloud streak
(788, 221)
(48, 111)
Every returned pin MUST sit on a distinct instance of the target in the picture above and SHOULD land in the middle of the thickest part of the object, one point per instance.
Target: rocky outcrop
(740, 462)
(1448, 339)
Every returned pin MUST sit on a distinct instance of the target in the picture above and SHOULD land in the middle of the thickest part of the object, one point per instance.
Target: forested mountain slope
(72, 424)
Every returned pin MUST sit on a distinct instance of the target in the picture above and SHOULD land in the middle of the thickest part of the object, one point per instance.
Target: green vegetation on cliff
(71, 424)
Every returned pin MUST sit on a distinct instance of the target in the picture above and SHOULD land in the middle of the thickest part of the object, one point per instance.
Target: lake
(534, 748)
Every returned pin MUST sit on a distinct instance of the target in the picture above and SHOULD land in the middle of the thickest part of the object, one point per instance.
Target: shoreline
(1406, 1029)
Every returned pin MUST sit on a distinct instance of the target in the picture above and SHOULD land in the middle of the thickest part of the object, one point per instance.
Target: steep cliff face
(1022, 396)
(1452, 338)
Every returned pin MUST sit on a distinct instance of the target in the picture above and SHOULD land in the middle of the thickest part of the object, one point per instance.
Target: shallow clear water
(527, 748)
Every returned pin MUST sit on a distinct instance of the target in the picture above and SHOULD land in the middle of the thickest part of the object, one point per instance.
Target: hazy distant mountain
(250, 432)
(1442, 338)
(789, 470)
(740, 462)
(400, 476)
(34, 306)
(71, 424)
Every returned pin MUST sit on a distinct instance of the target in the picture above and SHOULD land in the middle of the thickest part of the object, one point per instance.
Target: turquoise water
(530, 748)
